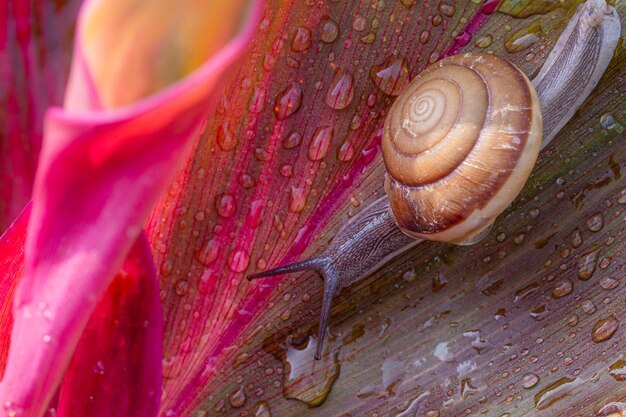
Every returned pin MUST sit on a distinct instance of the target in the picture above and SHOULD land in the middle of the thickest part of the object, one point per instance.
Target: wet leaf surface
(505, 333)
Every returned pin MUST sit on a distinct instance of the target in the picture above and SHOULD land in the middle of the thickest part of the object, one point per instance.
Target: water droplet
(292, 140)
(618, 370)
(407, 3)
(225, 205)
(621, 197)
(225, 138)
(577, 239)
(607, 121)
(257, 100)
(301, 40)
(484, 41)
(424, 36)
(263, 410)
(560, 389)
(238, 398)
(562, 289)
(355, 123)
(346, 151)
(608, 283)
(391, 76)
(524, 38)
(595, 223)
(182, 287)
(253, 219)
(359, 23)
(306, 379)
(330, 30)
(298, 199)
(439, 281)
(320, 143)
(47, 338)
(238, 260)
(167, 267)
(288, 101)
(529, 380)
(369, 38)
(587, 264)
(588, 307)
(604, 329)
(341, 90)
(286, 171)
(437, 20)
(446, 9)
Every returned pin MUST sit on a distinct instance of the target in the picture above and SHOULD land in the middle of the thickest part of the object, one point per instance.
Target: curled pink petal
(116, 368)
(99, 174)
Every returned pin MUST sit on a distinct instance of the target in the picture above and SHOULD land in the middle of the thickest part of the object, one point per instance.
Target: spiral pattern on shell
(459, 143)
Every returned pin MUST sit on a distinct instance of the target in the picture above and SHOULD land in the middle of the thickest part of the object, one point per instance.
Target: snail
(458, 145)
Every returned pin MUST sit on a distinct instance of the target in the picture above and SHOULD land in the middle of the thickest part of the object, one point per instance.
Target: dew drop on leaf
(321, 141)
(529, 380)
(292, 140)
(595, 223)
(346, 151)
(288, 101)
(225, 138)
(587, 264)
(306, 379)
(298, 199)
(238, 260)
(257, 100)
(262, 410)
(341, 90)
(446, 9)
(484, 41)
(524, 38)
(301, 40)
(237, 398)
(604, 329)
(330, 30)
(392, 75)
(225, 205)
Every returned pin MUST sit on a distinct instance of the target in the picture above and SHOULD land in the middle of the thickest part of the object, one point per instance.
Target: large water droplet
(595, 223)
(562, 289)
(257, 100)
(341, 90)
(524, 38)
(301, 40)
(587, 264)
(330, 30)
(391, 76)
(263, 410)
(237, 398)
(446, 9)
(307, 379)
(529, 381)
(346, 151)
(298, 199)
(288, 101)
(225, 138)
(253, 218)
(604, 329)
(320, 143)
(557, 391)
(238, 260)
(484, 41)
(225, 205)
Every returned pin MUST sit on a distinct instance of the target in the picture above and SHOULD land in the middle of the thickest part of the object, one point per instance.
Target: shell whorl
(459, 143)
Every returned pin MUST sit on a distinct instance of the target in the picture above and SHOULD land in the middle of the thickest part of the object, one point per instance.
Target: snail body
(458, 144)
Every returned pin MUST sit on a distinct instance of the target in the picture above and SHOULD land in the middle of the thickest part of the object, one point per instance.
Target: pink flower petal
(116, 368)
(11, 268)
(99, 174)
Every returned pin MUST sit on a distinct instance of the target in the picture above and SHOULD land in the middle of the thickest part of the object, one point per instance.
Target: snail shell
(459, 144)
